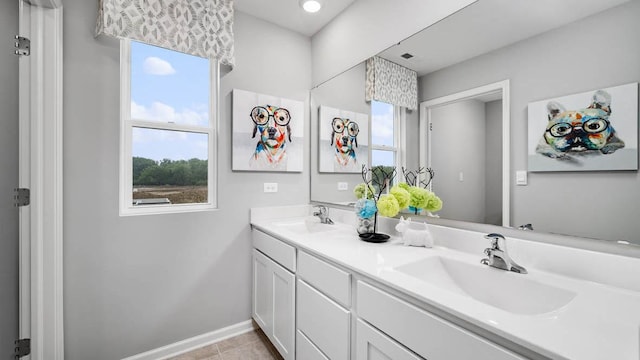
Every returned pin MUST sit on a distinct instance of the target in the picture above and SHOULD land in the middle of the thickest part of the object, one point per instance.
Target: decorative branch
(412, 177)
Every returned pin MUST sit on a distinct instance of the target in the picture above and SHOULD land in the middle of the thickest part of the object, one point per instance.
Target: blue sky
(381, 132)
(168, 86)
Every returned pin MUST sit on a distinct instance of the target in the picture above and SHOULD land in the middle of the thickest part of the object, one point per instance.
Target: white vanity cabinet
(273, 305)
(425, 334)
(312, 309)
(323, 316)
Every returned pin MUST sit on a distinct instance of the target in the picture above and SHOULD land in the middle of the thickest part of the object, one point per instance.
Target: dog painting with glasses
(578, 131)
(267, 133)
(272, 128)
(344, 140)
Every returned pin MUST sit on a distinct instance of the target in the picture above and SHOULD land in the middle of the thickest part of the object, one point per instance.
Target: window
(386, 149)
(167, 130)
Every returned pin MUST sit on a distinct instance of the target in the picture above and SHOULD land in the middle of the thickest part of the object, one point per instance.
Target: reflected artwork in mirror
(537, 51)
(344, 140)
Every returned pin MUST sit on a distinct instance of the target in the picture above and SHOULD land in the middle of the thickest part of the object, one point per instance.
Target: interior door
(9, 154)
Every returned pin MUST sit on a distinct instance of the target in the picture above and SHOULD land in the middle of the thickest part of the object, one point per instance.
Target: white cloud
(164, 113)
(382, 128)
(156, 66)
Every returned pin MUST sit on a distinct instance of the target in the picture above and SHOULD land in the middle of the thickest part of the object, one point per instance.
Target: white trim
(41, 117)
(126, 129)
(24, 180)
(425, 116)
(195, 342)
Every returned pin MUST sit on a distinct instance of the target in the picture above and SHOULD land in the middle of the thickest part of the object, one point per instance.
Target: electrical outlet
(461, 176)
(521, 177)
(343, 186)
(270, 187)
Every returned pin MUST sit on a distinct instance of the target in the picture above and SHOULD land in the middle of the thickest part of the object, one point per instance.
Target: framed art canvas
(344, 140)
(268, 133)
(592, 131)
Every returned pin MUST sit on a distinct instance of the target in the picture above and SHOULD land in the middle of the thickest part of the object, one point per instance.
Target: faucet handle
(322, 210)
(495, 240)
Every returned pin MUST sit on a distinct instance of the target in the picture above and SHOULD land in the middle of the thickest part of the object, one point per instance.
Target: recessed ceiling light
(406, 56)
(310, 5)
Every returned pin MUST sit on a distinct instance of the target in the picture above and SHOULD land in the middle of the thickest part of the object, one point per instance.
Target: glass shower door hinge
(22, 45)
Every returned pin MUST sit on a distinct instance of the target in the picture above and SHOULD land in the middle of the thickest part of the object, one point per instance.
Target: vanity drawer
(325, 323)
(422, 332)
(327, 278)
(277, 250)
(305, 350)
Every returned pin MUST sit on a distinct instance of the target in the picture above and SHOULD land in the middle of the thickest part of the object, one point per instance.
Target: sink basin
(305, 226)
(508, 291)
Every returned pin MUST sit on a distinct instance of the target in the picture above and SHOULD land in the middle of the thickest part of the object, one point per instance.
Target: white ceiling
(488, 25)
(288, 14)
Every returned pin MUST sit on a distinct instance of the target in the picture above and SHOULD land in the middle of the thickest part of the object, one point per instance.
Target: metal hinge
(22, 197)
(22, 45)
(430, 126)
(23, 348)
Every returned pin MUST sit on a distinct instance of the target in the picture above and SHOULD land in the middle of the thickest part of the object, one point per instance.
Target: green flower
(358, 191)
(402, 195)
(434, 204)
(388, 205)
(419, 197)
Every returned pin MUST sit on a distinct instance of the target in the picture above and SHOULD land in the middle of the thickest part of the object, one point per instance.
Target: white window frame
(126, 130)
(399, 140)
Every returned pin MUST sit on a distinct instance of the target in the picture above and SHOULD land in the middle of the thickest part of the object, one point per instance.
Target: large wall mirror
(545, 49)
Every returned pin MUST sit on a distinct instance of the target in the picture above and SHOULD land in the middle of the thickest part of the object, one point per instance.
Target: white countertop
(601, 322)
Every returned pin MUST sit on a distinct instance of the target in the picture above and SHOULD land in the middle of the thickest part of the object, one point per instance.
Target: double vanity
(319, 292)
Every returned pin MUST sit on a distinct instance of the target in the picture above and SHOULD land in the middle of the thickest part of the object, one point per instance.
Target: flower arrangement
(371, 203)
(420, 197)
(412, 194)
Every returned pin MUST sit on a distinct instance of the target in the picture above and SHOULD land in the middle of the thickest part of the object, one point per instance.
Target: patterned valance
(391, 83)
(198, 27)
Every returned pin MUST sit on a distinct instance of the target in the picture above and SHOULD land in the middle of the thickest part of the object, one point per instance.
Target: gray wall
(132, 284)
(8, 181)
(459, 128)
(575, 58)
(493, 163)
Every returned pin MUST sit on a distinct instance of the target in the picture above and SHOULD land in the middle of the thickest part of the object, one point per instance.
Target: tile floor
(253, 345)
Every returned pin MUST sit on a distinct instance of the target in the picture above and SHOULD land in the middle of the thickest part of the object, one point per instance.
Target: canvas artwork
(268, 133)
(590, 131)
(344, 140)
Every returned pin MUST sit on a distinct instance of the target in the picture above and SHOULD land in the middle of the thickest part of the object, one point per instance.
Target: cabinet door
(262, 297)
(283, 289)
(373, 345)
(273, 306)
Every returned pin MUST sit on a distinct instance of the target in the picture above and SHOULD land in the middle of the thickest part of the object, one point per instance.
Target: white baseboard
(194, 342)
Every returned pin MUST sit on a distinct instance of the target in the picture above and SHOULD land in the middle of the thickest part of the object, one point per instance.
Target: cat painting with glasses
(272, 126)
(344, 139)
(585, 130)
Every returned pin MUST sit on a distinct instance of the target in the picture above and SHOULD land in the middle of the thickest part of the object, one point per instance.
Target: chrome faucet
(323, 214)
(525, 227)
(497, 256)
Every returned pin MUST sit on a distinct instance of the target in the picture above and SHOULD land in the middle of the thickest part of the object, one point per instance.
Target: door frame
(425, 141)
(41, 232)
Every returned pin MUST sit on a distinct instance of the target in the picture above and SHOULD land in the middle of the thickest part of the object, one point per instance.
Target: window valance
(391, 83)
(198, 27)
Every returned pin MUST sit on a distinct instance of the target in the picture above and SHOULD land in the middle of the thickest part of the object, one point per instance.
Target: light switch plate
(521, 177)
(343, 186)
(270, 187)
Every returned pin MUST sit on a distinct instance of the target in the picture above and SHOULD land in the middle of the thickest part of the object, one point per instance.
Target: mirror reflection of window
(384, 142)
